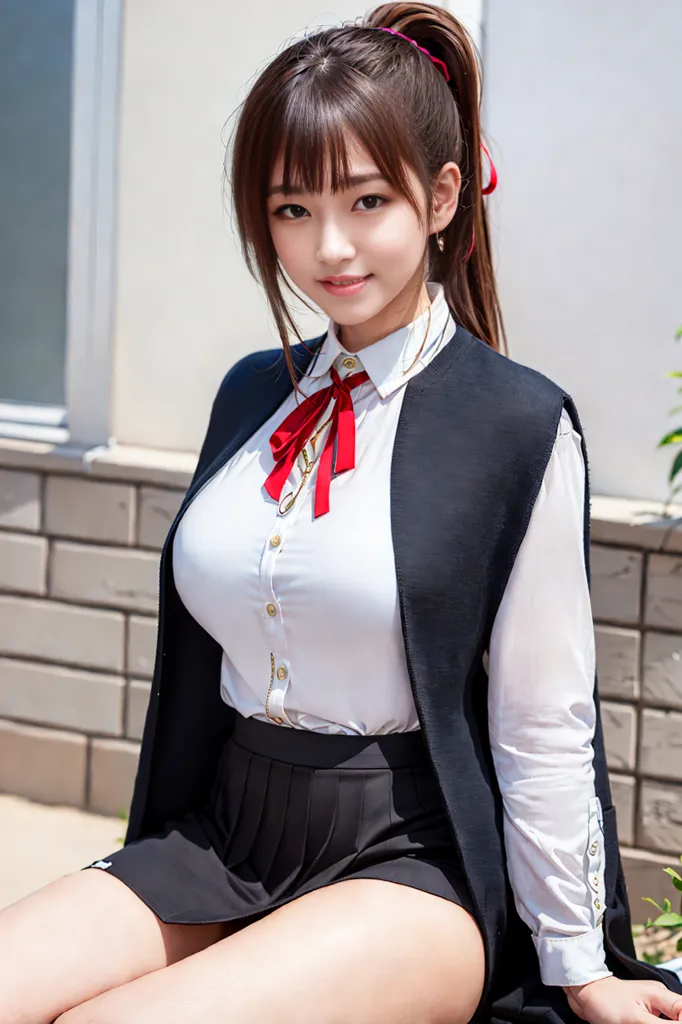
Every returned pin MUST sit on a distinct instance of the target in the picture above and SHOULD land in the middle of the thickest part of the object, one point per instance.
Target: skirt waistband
(322, 750)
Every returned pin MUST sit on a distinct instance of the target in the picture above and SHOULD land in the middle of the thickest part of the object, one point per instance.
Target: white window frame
(85, 420)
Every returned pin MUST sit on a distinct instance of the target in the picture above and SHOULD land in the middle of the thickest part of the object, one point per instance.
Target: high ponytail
(467, 275)
(399, 105)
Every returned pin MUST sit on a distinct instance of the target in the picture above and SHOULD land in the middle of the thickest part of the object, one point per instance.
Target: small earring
(440, 241)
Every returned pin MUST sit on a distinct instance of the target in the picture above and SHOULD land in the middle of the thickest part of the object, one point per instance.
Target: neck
(400, 311)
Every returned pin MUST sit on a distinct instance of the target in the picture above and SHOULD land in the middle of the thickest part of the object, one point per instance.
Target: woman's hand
(614, 1001)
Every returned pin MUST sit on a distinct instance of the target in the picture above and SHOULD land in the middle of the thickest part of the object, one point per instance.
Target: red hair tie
(490, 187)
(440, 63)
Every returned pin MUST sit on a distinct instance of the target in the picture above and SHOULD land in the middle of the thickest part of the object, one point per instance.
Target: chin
(349, 312)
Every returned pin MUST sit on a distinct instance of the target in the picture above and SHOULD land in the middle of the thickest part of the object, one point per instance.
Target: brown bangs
(320, 114)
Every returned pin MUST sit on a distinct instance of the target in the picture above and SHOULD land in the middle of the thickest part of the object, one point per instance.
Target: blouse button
(597, 904)
(349, 363)
(272, 610)
(275, 540)
(281, 672)
(593, 849)
(278, 720)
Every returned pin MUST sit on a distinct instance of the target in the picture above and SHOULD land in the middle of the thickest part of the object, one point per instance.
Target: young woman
(372, 787)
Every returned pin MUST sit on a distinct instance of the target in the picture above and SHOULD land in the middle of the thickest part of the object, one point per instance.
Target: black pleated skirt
(291, 811)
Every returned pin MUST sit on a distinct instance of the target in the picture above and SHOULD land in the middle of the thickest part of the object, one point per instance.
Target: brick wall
(79, 551)
(78, 598)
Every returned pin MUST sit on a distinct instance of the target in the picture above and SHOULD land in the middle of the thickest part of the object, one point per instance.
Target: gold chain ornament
(288, 500)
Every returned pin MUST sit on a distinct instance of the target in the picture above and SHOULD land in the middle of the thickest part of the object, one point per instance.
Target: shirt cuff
(572, 959)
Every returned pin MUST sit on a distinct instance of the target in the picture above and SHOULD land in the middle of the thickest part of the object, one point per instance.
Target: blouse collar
(386, 360)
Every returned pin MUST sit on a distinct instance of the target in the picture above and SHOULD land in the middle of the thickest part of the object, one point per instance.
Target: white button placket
(273, 623)
(595, 860)
(285, 521)
(272, 618)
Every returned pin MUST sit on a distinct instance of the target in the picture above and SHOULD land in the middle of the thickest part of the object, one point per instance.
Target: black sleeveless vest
(475, 434)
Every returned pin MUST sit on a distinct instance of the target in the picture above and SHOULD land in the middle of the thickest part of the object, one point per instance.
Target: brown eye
(373, 202)
(297, 212)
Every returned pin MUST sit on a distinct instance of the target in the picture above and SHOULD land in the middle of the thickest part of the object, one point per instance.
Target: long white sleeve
(542, 718)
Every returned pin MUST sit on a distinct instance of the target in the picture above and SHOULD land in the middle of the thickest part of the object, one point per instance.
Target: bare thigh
(79, 936)
(359, 951)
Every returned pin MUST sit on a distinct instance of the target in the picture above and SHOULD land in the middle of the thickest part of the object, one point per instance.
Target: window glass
(35, 123)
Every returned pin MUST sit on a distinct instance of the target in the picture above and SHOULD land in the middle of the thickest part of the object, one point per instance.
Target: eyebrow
(355, 179)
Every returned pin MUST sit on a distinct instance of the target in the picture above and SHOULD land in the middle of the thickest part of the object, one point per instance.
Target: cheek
(400, 236)
(291, 245)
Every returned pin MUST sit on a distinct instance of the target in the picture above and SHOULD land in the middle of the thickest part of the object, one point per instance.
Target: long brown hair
(400, 107)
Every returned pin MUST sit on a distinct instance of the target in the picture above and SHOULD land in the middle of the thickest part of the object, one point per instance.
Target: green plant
(123, 815)
(668, 918)
(674, 437)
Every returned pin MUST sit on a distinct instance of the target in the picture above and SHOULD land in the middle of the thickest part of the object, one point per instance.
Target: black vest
(474, 437)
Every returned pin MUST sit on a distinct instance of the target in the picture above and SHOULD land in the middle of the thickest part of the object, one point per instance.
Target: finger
(667, 1002)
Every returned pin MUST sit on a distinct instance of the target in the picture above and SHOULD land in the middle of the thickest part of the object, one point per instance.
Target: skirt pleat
(291, 811)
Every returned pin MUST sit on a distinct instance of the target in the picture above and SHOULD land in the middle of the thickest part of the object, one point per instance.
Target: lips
(344, 280)
(345, 284)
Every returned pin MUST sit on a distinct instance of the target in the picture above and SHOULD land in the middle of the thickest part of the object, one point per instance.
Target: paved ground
(38, 843)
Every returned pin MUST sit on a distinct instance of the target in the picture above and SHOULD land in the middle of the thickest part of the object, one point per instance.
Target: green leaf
(669, 920)
(675, 408)
(672, 437)
(677, 881)
(674, 373)
(676, 467)
(679, 945)
(678, 333)
(667, 906)
(648, 899)
(653, 958)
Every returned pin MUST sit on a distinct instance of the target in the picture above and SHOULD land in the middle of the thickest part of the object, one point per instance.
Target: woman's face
(355, 252)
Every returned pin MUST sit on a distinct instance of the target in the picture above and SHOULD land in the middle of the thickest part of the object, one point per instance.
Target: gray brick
(616, 584)
(43, 764)
(158, 509)
(623, 788)
(141, 646)
(65, 697)
(662, 669)
(617, 661)
(644, 877)
(23, 563)
(89, 510)
(661, 817)
(661, 743)
(138, 700)
(19, 500)
(664, 591)
(87, 637)
(114, 577)
(620, 734)
(113, 765)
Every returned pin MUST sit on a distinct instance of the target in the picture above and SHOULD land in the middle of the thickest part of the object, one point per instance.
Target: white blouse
(306, 612)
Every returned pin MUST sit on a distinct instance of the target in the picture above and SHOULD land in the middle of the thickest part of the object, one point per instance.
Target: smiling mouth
(340, 282)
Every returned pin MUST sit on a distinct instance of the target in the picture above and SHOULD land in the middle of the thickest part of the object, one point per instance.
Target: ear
(446, 188)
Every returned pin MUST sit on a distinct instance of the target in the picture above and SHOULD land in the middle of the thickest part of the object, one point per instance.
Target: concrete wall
(584, 108)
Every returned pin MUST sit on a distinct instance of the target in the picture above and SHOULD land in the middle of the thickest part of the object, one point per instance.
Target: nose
(333, 244)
